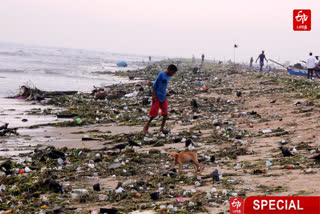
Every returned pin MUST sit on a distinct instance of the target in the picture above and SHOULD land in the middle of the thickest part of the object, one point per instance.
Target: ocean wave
(37, 60)
(15, 53)
(11, 71)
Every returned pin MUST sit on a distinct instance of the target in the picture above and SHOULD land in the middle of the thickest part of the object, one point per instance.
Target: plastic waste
(224, 192)
(180, 199)
(191, 204)
(122, 64)
(155, 195)
(268, 163)
(133, 94)
(108, 210)
(27, 169)
(170, 206)
(2, 188)
(80, 191)
(96, 187)
(120, 190)
(208, 196)
(78, 121)
(128, 182)
(60, 161)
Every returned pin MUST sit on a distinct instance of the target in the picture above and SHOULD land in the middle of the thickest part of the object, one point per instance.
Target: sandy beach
(244, 134)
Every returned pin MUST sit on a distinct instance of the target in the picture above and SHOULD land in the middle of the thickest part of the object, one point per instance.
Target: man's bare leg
(146, 126)
(164, 118)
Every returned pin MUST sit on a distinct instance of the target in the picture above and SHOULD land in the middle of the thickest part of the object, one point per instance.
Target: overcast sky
(175, 28)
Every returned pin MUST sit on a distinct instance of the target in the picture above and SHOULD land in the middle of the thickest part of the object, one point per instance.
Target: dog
(185, 157)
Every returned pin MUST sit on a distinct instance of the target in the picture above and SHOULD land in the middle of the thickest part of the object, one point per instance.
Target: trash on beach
(155, 195)
(96, 187)
(4, 130)
(79, 121)
(133, 94)
(122, 64)
(180, 200)
(266, 131)
(108, 211)
(215, 125)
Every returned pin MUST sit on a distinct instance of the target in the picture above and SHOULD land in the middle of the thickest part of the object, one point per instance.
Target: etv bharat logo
(236, 203)
(236, 206)
(301, 20)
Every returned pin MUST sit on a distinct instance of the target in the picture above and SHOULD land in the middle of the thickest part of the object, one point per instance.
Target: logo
(301, 20)
(236, 206)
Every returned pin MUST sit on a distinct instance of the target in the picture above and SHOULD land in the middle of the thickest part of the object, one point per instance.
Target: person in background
(251, 61)
(262, 57)
(193, 58)
(317, 67)
(311, 64)
(159, 96)
(195, 70)
(202, 57)
(149, 58)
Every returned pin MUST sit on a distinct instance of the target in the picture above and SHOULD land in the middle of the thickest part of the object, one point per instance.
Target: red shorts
(154, 110)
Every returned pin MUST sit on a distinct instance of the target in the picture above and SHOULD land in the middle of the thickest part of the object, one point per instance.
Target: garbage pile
(4, 130)
(216, 112)
(58, 179)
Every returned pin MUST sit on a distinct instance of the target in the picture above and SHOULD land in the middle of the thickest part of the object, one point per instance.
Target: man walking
(311, 64)
(159, 96)
(262, 57)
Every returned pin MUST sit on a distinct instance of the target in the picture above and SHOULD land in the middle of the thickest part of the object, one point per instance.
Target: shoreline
(27, 116)
(226, 126)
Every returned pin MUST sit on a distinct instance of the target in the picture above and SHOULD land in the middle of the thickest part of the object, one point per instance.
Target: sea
(54, 69)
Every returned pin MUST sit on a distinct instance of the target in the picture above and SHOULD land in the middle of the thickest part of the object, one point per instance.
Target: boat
(299, 71)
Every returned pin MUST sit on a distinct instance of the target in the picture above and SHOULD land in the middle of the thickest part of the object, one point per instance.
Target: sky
(173, 28)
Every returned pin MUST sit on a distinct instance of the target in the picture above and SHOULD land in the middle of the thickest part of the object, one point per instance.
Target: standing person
(202, 57)
(149, 58)
(251, 61)
(159, 96)
(317, 67)
(262, 57)
(311, 64)
(193, 58)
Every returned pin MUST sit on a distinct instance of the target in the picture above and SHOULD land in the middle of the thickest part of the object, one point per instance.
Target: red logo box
(236, 206)
(302, 20)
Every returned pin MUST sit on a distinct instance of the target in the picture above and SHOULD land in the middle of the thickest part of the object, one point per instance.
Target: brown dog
(185, 157)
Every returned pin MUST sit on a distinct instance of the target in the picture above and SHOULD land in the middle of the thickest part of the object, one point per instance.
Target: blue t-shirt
(160, 85)
(262, 57)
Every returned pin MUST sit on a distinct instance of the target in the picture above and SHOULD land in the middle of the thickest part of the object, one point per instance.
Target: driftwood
(5, 130)
(36, 94)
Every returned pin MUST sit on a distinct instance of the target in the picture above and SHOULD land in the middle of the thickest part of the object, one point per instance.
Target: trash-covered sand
(237, 120)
